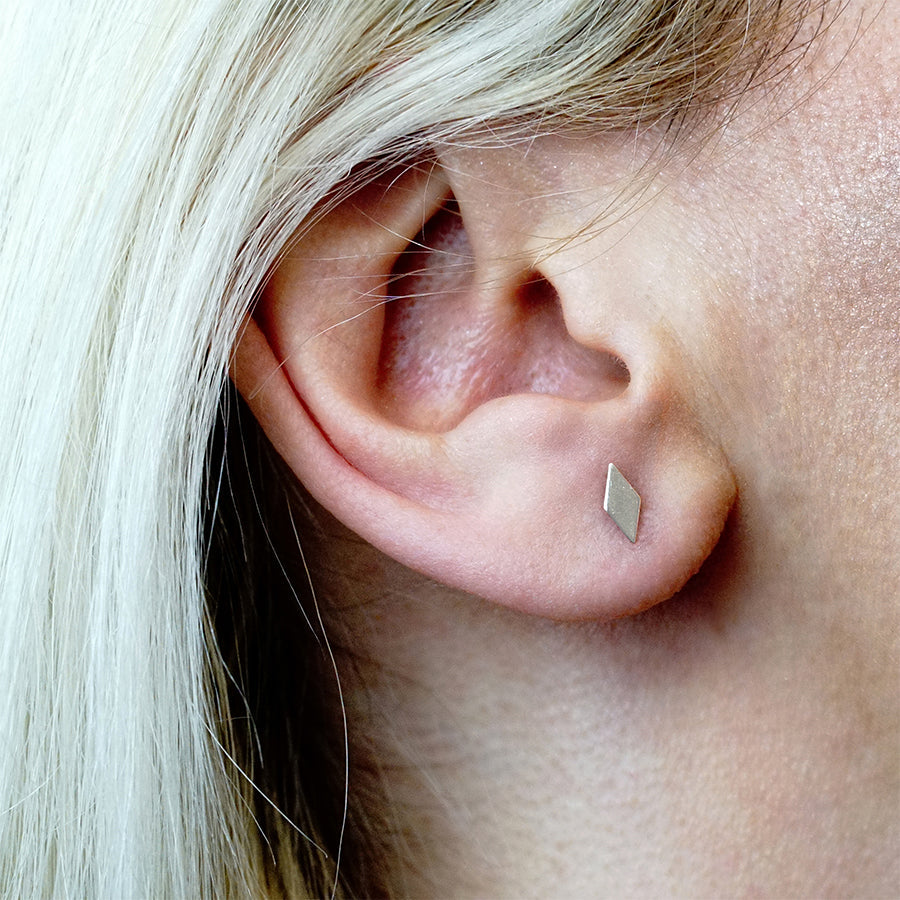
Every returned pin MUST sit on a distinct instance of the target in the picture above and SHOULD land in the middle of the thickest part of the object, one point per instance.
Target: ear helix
(465, 432)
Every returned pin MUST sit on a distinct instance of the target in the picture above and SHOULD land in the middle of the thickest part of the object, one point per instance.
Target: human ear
(458, 406)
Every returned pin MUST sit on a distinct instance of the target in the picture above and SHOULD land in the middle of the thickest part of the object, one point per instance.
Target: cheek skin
(794, 223)
(807, 310)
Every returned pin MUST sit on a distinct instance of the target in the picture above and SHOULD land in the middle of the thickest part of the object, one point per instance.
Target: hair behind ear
(282, 688)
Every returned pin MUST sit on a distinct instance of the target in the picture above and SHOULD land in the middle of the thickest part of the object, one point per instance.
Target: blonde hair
(154, 164)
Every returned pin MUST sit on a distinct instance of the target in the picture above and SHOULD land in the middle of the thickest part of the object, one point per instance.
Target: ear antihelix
(488, 481)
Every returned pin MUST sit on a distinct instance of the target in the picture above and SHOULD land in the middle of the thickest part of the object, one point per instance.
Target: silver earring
(622, 502)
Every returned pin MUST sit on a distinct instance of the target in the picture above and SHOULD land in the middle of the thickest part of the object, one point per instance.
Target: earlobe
(447, 401)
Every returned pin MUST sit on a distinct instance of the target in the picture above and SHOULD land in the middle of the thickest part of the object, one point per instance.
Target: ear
(458, 405)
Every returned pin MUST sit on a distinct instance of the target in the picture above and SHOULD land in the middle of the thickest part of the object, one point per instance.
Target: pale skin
(739, 738)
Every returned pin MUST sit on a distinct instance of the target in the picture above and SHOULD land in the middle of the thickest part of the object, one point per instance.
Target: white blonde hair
(155, 161)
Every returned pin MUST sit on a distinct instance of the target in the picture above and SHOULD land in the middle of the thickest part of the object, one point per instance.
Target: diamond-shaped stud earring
(622, 502)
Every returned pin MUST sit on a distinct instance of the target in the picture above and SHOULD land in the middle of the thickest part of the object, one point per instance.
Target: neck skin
(736, 741)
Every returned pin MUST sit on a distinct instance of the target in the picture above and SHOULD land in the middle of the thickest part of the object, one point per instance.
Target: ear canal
(428, 389)
(457, 335)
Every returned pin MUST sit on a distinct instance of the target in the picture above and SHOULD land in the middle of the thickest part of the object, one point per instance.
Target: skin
(740, 738)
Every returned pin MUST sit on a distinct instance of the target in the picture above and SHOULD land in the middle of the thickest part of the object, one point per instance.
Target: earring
(622, 502)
